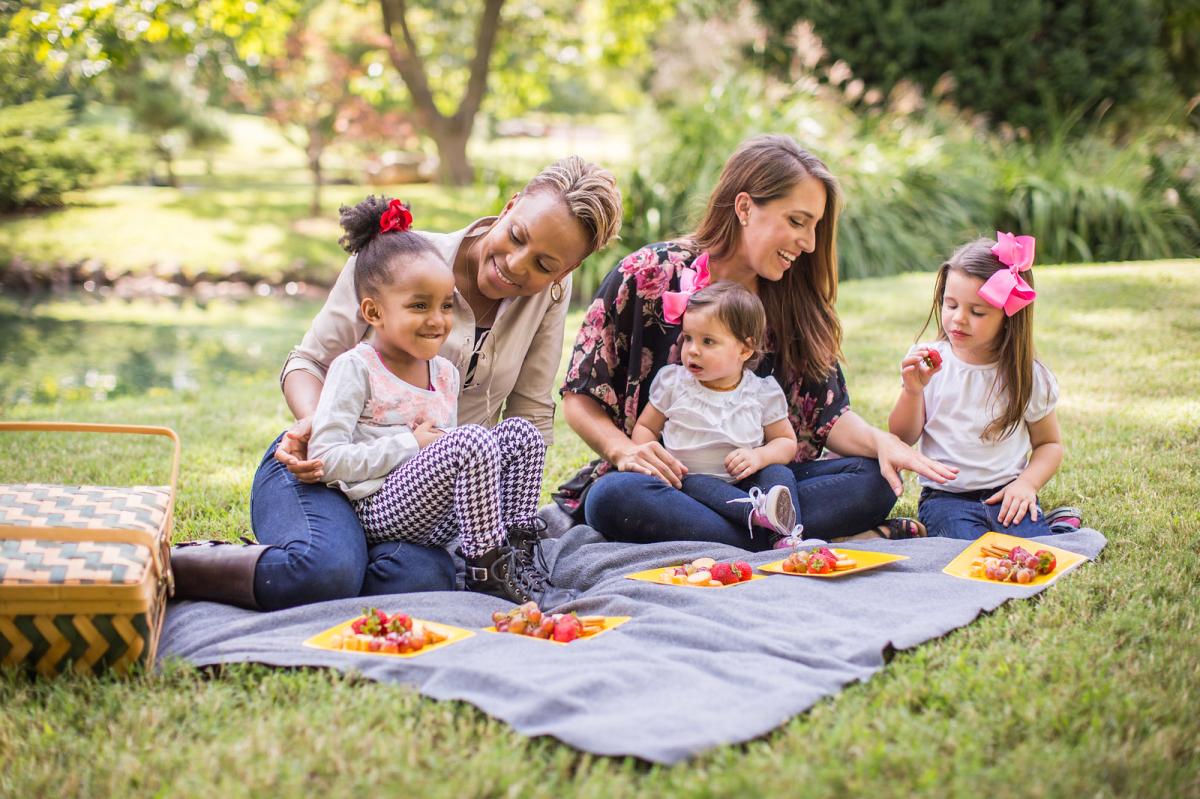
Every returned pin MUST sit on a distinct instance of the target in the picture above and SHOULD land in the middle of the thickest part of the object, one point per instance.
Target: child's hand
(1019, 497)
(426, 433)
(915, 373)
(292, 452)
(741, 463)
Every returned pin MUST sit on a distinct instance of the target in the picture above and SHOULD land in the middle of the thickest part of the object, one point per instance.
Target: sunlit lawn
(251, 213)
(1089, 690)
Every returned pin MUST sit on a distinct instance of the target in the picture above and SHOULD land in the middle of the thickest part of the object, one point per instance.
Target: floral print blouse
(624, 341)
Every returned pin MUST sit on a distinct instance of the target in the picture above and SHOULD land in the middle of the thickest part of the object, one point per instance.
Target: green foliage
(917, 185)
(1015, 61)
(43, 155)
(1179, 42)
(1089, 200)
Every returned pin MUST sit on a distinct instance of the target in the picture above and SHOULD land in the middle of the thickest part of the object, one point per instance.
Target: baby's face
(710, 351)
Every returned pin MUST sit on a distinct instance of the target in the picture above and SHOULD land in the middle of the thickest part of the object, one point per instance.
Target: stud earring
(745, 221)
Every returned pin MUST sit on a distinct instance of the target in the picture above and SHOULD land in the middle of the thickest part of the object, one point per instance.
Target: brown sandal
(900, 528)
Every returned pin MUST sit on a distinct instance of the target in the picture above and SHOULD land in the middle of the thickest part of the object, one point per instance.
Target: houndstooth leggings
(472, 482)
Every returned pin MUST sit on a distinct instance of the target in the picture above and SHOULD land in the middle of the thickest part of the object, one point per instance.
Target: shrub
(1018, 61)
(43, 155)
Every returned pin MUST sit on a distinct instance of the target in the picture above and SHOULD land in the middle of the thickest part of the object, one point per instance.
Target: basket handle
(163, 557)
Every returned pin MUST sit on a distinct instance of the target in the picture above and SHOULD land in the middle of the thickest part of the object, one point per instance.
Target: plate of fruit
(1000, 558)
(701, 573)
(398, 635)
(529, 621)
(826, 562)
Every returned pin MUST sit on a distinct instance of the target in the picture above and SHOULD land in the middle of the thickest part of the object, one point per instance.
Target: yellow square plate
(453, 635)
(610, 622)
(961, 566)
(655, 576)
(865, 559)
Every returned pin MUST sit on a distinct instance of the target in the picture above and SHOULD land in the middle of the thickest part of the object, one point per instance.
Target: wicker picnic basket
(84, 570)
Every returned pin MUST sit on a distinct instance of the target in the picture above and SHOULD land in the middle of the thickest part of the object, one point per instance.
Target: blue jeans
(839, 497)
(964, 515)
(318, 550)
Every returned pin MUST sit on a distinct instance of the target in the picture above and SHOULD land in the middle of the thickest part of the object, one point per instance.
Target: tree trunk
(450, 133)
(316, 147)
(454, 169)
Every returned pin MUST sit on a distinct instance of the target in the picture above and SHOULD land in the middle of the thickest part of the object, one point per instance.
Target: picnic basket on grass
(84, 570)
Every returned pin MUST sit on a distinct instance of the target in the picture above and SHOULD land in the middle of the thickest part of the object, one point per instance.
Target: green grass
(251, 214)
(1088, 690)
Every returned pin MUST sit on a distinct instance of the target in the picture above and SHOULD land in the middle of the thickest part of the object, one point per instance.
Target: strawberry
(1046, 561)
(568, 628)
(745, 572)
(932, 359)
(370, 623)
(399, 623)
(723, 573)
(819, 564)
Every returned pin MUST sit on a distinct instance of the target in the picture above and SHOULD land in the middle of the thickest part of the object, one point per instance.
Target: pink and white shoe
(773, 510)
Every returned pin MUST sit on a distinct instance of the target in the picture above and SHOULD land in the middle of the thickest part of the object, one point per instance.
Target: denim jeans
(719, 496)
(838, 497)
(964, 515)
(318, 550)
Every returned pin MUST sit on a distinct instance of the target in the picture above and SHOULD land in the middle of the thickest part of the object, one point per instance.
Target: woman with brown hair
(512, 278)
(770, 225)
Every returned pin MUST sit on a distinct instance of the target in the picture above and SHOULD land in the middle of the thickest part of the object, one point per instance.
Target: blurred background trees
(1074, 121)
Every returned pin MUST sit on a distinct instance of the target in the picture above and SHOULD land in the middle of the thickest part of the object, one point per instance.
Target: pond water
(80, 350)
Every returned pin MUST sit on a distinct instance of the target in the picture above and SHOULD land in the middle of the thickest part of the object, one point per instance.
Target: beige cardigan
(517, 363)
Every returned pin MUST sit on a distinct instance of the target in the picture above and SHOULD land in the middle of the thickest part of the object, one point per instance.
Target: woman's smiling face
(535, 242)
(776, 232)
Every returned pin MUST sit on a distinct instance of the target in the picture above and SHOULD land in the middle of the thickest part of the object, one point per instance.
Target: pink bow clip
(691, 279)
(1006, 288)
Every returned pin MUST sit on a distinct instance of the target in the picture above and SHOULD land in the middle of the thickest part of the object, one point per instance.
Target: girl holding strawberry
(977, 399)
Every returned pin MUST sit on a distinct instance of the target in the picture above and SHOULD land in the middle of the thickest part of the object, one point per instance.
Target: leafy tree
(448, 51)
(309, 89)
(44, 155)
(1020, 61)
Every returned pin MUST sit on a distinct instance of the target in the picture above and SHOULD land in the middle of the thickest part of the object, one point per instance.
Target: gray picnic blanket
(769, 648)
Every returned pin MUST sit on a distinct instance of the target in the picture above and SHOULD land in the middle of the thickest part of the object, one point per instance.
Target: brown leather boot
(216, 571)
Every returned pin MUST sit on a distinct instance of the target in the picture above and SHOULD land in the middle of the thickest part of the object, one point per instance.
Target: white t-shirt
(959, 405)
(703, 425)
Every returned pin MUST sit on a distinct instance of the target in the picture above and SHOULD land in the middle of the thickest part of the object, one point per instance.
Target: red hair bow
(396, 217)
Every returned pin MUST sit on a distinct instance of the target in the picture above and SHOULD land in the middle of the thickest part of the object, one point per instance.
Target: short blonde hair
(591, 195)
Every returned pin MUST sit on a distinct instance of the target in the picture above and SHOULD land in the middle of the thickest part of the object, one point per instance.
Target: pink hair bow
(691, 279)
(1006, 288)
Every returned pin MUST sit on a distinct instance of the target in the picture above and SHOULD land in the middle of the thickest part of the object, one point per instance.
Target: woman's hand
(292, 452)
(894, 455)
(1019, 497)
(915, 374)
(426, 433)
(742, 462)
(653, 459)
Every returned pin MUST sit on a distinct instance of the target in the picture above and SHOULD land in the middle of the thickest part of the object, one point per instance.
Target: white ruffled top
(703, 425)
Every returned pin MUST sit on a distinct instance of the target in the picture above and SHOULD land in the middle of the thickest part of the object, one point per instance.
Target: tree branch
(407, 60)
(485, 40)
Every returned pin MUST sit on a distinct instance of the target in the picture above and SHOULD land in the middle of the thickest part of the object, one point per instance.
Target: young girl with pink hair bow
(976, 398)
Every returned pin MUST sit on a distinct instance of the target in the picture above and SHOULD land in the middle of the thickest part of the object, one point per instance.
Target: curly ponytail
(376, 254)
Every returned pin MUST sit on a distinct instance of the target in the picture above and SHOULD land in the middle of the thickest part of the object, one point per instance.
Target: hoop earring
(556, 296)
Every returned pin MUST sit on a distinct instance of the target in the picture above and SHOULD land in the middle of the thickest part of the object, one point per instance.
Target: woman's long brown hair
(1014, 350)
(801, 316)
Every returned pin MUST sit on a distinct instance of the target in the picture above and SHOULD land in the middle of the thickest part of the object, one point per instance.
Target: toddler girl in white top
(977, 399)
(728, 426)
(385, 426)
